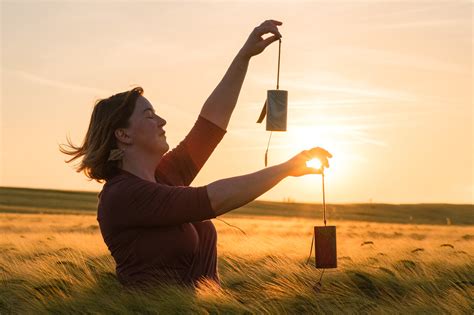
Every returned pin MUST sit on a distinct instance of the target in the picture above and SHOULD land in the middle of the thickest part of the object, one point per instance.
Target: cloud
(342, 87)
(393, 58)
(423, 24)
(54, 83)
(317, 103)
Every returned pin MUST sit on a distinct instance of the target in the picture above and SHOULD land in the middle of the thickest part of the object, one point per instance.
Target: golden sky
(386, 87)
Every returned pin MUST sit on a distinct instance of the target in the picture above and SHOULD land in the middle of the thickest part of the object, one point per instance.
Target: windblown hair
(108, 115)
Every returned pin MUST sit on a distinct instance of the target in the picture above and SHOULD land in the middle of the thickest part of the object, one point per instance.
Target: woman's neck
(140, 165)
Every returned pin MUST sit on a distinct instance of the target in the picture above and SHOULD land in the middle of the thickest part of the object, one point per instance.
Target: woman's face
(146, 128)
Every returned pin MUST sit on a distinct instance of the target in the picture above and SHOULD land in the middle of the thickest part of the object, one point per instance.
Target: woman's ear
(122, 136)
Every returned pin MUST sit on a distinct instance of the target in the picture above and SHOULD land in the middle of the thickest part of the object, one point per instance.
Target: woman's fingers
(271, 22)
(255, 44)
(308, 155)
(325, 162)
(312, 170)
(262, 31)
(318, 171)
(267, 28)
(267, 41)
(320, 152)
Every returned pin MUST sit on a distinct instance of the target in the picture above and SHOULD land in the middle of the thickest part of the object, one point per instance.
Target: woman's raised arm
(220, 104)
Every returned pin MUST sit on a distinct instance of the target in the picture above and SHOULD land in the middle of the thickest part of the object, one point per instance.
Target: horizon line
(266, 200)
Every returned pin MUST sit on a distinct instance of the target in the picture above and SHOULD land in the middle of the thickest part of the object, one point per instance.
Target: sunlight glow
(347, 156)
(314, 163)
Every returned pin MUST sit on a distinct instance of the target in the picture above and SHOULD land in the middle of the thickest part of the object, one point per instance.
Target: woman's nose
(161, 121)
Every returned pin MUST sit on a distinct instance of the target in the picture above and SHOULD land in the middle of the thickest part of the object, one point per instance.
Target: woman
(156, 226)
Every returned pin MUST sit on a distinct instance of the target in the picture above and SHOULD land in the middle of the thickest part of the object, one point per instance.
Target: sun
(306, 137)
(314, 163)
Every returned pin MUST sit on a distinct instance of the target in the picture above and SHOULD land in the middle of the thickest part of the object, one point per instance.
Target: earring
(115, 154)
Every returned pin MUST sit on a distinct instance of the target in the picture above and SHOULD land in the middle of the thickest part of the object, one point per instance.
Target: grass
(58, 263)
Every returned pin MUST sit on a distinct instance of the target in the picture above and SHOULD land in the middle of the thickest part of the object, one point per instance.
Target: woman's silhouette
(156, 226)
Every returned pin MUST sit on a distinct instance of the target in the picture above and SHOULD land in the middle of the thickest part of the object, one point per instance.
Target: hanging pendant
(276, 110)
(325, 250)
(275, 107)
(325, 246)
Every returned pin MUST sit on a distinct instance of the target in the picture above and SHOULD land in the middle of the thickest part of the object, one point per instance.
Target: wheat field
(58, 263)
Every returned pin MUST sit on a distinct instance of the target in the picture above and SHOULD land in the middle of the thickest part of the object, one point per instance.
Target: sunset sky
(386, 87)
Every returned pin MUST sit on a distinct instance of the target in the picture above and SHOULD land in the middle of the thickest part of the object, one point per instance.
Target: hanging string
(319, 284)
(324, 200)
(310, 249)
(266, 152)
(232, 226)
(278, 72)
(324, 215)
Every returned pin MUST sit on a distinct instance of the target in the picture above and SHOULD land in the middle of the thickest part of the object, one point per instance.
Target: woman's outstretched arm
(220, 104)
(234, 192)
(231, 193)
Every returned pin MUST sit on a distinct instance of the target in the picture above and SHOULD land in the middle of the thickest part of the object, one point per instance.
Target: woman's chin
(164, 147)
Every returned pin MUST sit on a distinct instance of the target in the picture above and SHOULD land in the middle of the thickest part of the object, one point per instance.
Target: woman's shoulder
(117, 186)
(124, 184)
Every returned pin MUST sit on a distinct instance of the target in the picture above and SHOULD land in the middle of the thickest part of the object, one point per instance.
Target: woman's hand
(255, 44)
(297, 164)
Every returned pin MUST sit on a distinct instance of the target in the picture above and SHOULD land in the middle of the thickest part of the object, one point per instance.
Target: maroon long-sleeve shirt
(146, 225)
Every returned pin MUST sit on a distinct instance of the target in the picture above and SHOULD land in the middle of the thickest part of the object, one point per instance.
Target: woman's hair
(108, 115)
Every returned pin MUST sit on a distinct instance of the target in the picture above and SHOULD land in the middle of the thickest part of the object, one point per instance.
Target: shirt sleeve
(145, 204)
(181, 165)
